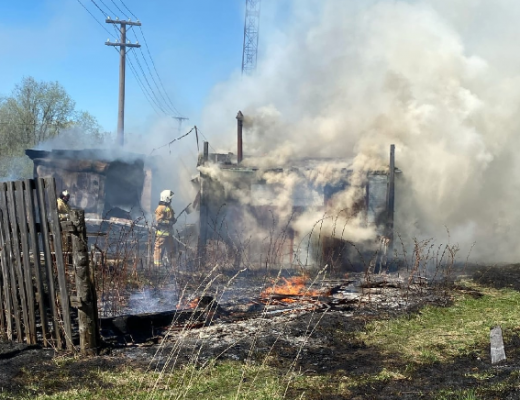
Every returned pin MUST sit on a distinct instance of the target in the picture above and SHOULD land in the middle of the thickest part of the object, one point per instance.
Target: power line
(124, 5)
(151, 98)
(150, 89)
(111, 12)
(174, 140)
(149, 94)
(99, 8)
(143, 88)
(158, 97)
(92, 15)
(148, 84)
(155, 69)
(121, 11)
(171, 108)
(141, 85)
(204, 137)
(160, 88)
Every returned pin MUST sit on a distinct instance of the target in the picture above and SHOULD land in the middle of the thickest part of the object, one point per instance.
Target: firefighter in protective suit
(63, 205)
(165, 218)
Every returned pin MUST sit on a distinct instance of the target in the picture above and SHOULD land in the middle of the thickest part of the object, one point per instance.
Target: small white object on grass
(497, 345)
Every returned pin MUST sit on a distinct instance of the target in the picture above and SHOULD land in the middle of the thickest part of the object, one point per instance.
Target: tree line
(41, 112)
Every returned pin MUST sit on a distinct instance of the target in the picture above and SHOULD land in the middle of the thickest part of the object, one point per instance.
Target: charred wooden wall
(100, 184)
(222, 215)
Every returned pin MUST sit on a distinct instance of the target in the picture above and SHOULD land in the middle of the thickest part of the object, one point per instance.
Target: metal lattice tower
(251, 36)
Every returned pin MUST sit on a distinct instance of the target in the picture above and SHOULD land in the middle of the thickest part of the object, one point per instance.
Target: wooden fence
(38, 276)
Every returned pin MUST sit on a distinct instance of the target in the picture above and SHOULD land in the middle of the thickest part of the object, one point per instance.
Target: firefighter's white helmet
(166, 196)
(65, 196)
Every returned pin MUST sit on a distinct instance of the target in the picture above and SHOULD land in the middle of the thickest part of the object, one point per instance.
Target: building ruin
(227, 219)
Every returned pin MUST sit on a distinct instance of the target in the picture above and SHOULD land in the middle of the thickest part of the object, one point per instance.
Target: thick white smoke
(436, 78)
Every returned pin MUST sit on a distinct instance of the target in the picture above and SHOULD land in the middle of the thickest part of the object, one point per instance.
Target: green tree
(38, 112)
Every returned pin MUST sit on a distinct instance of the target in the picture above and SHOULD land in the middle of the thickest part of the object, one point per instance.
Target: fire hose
(187, 211)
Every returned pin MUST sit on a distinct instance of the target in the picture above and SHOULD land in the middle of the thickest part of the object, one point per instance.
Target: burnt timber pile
(234, 318)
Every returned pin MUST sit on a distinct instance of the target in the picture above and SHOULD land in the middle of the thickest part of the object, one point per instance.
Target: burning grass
(294, 286)
(436, 352)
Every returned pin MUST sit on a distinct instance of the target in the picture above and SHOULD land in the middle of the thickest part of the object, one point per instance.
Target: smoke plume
(437, 78)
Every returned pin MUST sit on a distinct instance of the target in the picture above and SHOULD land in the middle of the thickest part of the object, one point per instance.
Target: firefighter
(63, 205)
(165, 218)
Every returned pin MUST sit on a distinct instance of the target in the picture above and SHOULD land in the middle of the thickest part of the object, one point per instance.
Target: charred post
(390, 197)
(86, 295)
(206, 152)
(203, 219)
(240, 124)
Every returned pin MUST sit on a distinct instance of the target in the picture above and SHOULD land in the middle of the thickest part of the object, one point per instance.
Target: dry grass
(435, 353)
(398, 355)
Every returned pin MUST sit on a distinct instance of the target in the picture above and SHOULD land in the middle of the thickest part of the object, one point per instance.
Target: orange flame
(295, 286)
(188, 305)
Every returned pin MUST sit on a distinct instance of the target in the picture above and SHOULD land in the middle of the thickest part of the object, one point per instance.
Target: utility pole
(122, 66)
(251, 29)
(181, 119)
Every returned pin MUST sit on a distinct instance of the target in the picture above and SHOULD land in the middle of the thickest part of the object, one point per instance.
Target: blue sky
(194, 44)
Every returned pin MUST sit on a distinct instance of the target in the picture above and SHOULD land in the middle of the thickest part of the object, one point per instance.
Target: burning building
(105, 185)
(310, 211)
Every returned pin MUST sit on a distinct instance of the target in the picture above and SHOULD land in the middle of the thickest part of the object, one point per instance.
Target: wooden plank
(13, 293)
(11, 206)
(35, 250)
(30, 322)
(3, 333)
(497, 345)
(6, 296)
(40, 191)
(50, 187)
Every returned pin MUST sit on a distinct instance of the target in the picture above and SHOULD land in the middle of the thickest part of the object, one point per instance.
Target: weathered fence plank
(11, 206)
(40, 190)
(35, 250)
(30, 322)
(28, 214)
(11, 262)
(6, 296)
(50, 187)
(3, 334)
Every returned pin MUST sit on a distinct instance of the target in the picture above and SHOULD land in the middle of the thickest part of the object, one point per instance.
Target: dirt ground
(318, 342)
